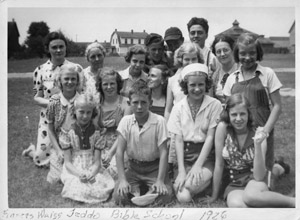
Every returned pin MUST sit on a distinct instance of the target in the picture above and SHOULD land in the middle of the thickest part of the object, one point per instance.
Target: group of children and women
(173, 123)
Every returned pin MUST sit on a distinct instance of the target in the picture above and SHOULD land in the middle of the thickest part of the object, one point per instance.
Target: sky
(98, 21)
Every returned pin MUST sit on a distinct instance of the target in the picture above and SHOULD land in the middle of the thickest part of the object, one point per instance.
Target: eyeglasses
(224, 50)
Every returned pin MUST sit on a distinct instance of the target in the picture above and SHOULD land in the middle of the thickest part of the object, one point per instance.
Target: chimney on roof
(144, 31)
(116, 30)
(131, 31)
(13, 20)
(235, 23)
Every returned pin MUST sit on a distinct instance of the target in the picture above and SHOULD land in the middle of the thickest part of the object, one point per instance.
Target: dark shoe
(284, 165)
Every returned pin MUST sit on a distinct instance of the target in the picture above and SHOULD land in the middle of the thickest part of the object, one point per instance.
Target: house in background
(292, 43)
(120, 41)
(13, 38)
(281, 44)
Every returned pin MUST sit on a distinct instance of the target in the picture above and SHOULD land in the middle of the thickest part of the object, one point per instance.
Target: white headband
(194, 67)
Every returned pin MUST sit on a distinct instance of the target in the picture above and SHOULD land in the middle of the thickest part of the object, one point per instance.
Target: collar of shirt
(66, 102)
(125, 75)
(151, 120)
(259, 69)
(206, 101)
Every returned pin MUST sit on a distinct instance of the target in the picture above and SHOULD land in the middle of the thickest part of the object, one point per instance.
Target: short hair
(106, 71)
(200, 21)
(86, 99)
(232, 101)
(222, 38)
(135, 49)
(140, 87)
(184, 83)
(70, 67)
(165, 74)
(186, 48)
(55, 35)
(246, 39)
(94, 45)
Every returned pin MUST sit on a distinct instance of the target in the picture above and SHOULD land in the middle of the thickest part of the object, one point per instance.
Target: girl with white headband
(193, 121)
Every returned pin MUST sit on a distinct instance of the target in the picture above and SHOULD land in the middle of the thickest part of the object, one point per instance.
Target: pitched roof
(280, 41)
(131, 34)
(12, 28)
(265, 41)
(293, 26)
(235, 31)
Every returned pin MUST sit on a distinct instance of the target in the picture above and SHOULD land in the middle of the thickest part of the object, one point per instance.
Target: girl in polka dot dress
(44, 88)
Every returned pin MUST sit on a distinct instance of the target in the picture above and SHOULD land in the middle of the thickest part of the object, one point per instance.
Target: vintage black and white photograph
(177, 108)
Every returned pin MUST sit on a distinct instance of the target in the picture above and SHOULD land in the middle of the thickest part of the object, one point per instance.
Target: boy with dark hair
(144, 137)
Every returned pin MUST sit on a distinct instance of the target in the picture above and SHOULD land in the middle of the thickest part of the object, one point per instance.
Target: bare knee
(252, 193)
(234, 200)
(184, 196)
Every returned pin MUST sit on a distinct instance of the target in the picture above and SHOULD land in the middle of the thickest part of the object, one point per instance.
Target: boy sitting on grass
(144, 136)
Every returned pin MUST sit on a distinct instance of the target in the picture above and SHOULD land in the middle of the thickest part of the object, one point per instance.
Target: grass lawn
(27, 186)
(24, 66)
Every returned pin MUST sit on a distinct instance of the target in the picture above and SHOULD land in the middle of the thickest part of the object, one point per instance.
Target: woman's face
(137, 63)
(155, 78)
(96, 57)
(247, 56)
(69, 81)
(196, 86)
(189, 58)
(109, 86)
(156, 52)
(224, 53)
(57, 49)
(238, 117)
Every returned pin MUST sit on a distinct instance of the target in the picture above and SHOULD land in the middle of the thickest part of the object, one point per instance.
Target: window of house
(125, 40)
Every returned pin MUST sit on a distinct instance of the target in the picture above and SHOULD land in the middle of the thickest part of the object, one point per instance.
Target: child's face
(156, 52)
(137, 63)
(238, 117)
(155, 78)
(83, 114)
(109, 86)
(69, 81)
(247, 55)
(189, 58)
(196, 87)
(140, 104)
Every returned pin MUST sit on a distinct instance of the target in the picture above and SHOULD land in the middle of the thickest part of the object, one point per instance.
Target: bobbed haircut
(73, 68)
(184, 82)
(232, 101)
(140, 87)
(187, 48)
(86, 99)
(165, 74)
(222, 38)
(106, 71)
(198, 21)
(135, 49)
(247, 39)
(55, 35)
(94, 45)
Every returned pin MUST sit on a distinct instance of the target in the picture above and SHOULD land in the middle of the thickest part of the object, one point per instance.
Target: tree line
(33, 46)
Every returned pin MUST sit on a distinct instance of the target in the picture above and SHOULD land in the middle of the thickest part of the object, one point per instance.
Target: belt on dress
(142, 162)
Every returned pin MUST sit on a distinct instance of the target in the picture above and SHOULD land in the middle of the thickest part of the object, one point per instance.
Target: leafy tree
(35, 41)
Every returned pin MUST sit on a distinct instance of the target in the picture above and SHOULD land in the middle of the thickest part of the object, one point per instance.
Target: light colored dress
(83, 145)
(90, 83)
(43, 80)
